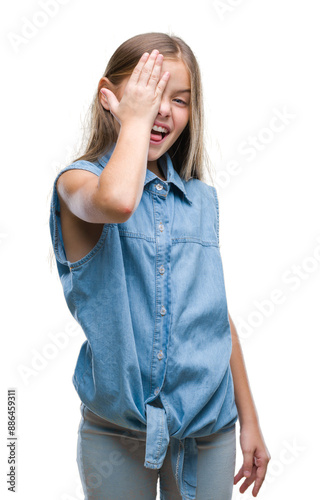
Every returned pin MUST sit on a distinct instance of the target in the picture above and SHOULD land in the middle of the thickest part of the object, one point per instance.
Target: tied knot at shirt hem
(184, 452)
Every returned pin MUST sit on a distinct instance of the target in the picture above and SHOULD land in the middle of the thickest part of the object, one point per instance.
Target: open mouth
(157, 137)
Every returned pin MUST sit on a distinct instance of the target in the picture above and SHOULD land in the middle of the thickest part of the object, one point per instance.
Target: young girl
(135, 233)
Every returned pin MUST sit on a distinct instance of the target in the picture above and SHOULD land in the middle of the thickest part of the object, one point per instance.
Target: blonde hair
(188, 153)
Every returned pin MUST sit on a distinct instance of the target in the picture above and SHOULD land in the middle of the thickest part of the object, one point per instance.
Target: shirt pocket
(141, 222)
(197, 223)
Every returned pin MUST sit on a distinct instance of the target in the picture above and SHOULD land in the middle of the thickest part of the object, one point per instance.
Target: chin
(156, 151)
(154, 155)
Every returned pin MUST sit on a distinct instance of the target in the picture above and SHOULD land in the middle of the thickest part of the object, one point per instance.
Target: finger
(245, 485)
(156, 71)
(163, 82)
(248, 481)
(137, 70)
(147, 68)
(256, 488)
(238, 476)
(261, 474)
(247, 463)
(110, 103)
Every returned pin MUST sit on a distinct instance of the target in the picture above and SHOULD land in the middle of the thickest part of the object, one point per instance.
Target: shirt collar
(167, 167)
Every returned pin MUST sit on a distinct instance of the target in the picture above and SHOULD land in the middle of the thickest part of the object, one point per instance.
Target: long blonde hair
(188, 153)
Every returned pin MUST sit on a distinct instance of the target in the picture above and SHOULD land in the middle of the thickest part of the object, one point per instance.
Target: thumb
(247, 463)
(109, 101)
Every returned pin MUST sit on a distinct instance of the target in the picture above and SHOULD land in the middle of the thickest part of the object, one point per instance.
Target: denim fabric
(110, 461)
(151, 300)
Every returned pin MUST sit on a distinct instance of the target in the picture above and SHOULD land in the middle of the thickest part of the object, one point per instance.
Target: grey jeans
(110, 461)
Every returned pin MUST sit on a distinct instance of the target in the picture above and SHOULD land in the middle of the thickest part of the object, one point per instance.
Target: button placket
(163, 309)
(162, 257)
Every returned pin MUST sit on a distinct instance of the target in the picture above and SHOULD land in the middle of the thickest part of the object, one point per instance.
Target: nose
(164, 108)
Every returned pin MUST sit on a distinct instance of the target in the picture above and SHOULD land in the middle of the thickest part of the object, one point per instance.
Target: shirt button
(160, 355)
(159, 187)
(163, 310)
(156, 390)
(161, 226)
(161, 270)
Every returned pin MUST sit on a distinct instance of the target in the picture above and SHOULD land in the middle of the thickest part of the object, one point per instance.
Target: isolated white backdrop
(259, 61)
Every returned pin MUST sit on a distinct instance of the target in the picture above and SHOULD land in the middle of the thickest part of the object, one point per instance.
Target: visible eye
(182, 102)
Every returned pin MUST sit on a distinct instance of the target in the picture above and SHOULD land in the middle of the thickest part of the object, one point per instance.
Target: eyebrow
(181, 91)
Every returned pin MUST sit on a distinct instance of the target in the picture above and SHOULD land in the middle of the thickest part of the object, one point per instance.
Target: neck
(154, 167)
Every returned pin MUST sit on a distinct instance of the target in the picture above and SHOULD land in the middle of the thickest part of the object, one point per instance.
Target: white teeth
(159, 129)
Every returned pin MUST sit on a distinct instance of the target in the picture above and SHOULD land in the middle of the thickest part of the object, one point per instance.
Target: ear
(104, 83)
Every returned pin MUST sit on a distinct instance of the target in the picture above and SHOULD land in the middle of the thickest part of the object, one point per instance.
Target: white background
(258, 59)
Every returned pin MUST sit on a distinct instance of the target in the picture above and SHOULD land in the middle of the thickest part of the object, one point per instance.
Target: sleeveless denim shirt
(150, 298)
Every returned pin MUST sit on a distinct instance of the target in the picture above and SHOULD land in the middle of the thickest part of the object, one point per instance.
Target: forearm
(126, 170)
(244, 401)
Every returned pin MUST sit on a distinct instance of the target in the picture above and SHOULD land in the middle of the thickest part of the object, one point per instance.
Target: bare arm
(114, 195)
(256, 455)
(243, 397)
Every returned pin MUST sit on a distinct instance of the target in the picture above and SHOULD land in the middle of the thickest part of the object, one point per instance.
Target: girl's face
(174, 110)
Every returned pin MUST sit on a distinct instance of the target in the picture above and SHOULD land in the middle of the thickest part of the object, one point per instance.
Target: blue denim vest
(151, 300)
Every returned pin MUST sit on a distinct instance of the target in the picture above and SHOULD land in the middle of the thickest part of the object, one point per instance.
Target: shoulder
(197, 188)
(75, 175)
(204, 198)
(93, 167)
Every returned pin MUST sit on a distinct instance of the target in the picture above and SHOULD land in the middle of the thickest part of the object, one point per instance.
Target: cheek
(181, 126)
(181, 119)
